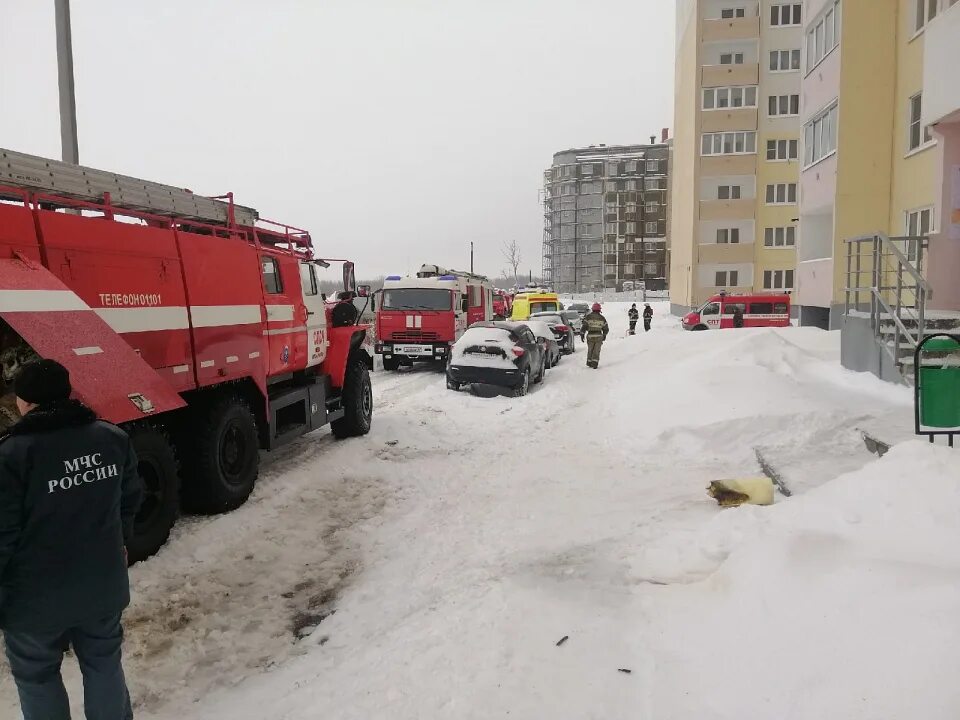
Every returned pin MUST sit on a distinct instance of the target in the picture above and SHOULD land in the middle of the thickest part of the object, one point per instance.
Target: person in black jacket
(69, 491)
(633, 315)
(647, 317)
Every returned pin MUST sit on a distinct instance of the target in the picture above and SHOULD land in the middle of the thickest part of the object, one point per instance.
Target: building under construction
(605, 218)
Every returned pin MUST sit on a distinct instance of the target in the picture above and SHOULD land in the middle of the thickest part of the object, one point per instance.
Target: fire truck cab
(725, 311)
(420, 317)
(189, 321)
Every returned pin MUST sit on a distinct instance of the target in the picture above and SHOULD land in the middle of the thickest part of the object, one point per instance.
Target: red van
(759, 310)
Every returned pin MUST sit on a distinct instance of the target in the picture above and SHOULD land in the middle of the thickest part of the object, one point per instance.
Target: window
(650, 268)
(652, 166)
(926, 11)
(782, 194)
(651, 184)
(272, 283)
(727, 97)
(919, 223)
(731, 59)
(824, 34)
(728, 236)
(729, 143)
(820, 136)
(917, 138)
(784, 60)
(712, 308)
(308, 279)
(761, 308)
(628, 269)
(652, 206)
(728, 13)
(586, 170)
(651, 228)
(776, 280)
(780, 237)
(781, 150)
(729, 307)
(728, 192)
(726, 278)
(631, 228)
(613, 169)
(779, 105)
(785, 15)
(631, 166)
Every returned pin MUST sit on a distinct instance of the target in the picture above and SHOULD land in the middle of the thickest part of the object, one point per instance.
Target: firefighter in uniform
(595, 329)
(633, 315)
(69, 490)
(647, 317)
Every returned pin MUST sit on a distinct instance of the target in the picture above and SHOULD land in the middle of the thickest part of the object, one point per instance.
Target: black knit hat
(42, 382)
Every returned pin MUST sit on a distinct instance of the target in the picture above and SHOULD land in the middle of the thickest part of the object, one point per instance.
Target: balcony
(727, 75)
(747, 28)
(941, 91)
(742, 209)
(728, 165)
(722, 254)
(728, 119)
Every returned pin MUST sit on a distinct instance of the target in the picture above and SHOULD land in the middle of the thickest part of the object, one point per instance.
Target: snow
(539, 328)
(491, 337)
(465, 536)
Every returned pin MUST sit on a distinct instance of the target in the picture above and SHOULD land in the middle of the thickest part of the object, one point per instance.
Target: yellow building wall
(686, 148)
(866, 142)
(915, 176)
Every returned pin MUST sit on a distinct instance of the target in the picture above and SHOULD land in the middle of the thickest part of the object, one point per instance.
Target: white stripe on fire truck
(207, 363)
(232, 359)
(40, 301)
(217, 315)
(177, 369)
(126, 320)
(254, 355)
(286, 331)
(91, 350)
(279, 313)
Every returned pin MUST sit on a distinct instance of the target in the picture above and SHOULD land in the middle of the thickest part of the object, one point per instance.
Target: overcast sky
(396, 131)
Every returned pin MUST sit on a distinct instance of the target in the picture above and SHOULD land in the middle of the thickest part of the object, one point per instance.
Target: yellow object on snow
(737, 491)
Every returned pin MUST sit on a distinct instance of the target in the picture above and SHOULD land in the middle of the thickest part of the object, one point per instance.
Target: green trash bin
(940, 385)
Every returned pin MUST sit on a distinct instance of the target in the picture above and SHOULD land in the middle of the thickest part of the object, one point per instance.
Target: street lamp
(68, 101)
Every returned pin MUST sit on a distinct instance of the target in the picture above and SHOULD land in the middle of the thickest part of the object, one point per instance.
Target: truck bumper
(413, 350)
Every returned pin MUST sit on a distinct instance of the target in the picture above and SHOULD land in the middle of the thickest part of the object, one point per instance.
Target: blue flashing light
(393, 277)
(448, 277)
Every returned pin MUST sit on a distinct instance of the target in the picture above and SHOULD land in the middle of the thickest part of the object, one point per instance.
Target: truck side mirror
(363, 290)
(349, 278)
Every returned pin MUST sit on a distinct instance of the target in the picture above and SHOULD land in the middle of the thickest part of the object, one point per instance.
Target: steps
(936, 321)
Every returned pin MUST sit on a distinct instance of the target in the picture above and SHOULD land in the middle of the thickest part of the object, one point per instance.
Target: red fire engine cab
(420, 317)
(748, 310)
(502, 304)
(190, 321)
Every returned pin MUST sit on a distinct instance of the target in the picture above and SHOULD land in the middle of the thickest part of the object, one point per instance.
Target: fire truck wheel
(226, 457)
(357, 402)
(159, 471)
(391, 363)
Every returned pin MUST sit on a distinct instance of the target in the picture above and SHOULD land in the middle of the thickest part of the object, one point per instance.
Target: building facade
(881, 151)
(606, 217)
(736, 164)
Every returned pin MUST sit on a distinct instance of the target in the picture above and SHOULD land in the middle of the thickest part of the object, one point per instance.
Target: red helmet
(596, 307)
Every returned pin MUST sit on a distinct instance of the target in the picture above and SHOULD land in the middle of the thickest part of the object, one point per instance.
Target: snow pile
(486, 337)
(841, 603)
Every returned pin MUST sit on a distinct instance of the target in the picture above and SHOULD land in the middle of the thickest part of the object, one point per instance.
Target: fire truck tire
(357, 402)
(160, 473)
(226, 457)
(391, 363)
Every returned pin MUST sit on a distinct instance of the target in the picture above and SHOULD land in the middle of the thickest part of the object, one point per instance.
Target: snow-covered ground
(430, 569)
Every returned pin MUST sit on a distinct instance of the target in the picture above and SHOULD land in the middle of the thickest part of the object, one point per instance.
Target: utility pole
(68, 99)
(471, 257)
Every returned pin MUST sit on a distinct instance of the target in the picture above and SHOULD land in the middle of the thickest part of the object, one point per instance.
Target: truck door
(475, 310)
(314, 310)
(710, 316)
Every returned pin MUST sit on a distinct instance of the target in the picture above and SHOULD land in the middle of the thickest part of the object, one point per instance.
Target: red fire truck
(502, 304)
(420, 317)
(190, 321)
(725, 311)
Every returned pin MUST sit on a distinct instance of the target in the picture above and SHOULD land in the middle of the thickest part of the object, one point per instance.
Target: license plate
(413, 350)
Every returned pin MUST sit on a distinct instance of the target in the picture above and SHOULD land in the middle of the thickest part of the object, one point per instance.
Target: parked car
(563, 332)
(545, 335)
(574, 319)
(581, 308)
(499, 353)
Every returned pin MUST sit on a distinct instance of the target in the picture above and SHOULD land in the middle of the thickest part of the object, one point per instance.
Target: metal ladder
(42, 175)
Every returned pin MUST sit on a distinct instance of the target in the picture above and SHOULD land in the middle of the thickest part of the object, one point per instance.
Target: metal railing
(885, 279)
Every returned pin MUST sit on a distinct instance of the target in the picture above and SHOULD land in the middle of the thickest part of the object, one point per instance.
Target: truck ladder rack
(41, 175)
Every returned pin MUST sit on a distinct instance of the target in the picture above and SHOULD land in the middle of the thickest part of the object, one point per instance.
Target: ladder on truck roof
(42, 175)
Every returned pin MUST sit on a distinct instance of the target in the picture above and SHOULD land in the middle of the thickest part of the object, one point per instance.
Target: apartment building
(879, 99)
(605, 217)
(736, 164)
